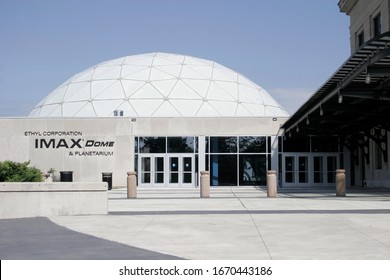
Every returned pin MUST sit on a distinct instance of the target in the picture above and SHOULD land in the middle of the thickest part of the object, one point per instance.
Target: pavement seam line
(253, 221)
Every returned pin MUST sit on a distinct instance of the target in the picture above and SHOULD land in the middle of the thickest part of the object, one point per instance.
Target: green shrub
(11, 171)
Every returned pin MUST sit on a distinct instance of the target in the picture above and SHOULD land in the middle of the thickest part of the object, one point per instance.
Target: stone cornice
(347, 5)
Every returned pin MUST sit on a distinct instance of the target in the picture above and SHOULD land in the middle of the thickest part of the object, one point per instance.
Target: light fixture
(321, 111)
(307, 121)
(368, 78)
(297, 129)
(340, 99)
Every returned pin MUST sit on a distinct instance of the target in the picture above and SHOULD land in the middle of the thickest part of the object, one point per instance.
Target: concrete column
(204, 184)
(340, 182)
(131, 184)
(271, 184)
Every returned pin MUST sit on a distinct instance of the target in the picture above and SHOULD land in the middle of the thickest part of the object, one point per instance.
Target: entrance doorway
(302, 169)
(168, 170)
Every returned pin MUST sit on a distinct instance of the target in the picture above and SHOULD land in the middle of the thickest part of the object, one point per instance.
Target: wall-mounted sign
(72, 141)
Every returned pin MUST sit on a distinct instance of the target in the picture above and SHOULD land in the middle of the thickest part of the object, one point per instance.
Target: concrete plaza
(234, 223)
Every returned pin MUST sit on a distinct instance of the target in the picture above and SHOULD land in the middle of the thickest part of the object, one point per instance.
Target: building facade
(166, 116)
(353, 105)
(368, 19)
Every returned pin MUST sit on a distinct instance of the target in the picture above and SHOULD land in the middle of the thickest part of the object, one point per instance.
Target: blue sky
(290, 48)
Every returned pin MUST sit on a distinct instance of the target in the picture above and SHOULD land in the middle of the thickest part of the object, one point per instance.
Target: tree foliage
(11, 171)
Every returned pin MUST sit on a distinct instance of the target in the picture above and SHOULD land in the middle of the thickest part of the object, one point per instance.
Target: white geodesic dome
(158, 85)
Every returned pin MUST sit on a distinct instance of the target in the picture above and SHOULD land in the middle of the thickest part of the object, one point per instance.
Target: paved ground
(235, 223)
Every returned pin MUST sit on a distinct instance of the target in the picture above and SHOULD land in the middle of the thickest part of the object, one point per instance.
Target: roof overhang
(355, 100)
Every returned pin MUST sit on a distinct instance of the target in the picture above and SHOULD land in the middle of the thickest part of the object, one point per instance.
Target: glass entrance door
(309, 169)
(181, 171)
(166, 170)
(151, 170)
(296, 170)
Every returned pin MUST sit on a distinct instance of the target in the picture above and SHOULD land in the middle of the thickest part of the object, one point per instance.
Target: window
(152, 144)
(252, 145)
(238, 160)
(223, 144)
(360, 39)
(377, 25)
(181, 145)
(378, 156)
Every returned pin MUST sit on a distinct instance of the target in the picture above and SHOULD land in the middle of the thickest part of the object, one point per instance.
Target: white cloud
(291, 98)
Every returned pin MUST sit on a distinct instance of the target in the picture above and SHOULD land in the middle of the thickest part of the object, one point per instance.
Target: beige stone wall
(18, 138)
(20, 200)
(361, 19)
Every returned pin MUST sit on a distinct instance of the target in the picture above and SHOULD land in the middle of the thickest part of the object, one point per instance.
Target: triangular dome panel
(145, 108)
(77, 92)
(207, 110)
(128, 110)
(217, 93)
(130, 87)
(97, 87)
(114, 91)
(224, 108)
(201, 87)
(164, 87)
(71, 108)
(166, 109)
(187, 108)
(57, 96)
(182, 91)
(106, 108)
(106, 73)
(86, 111)
(147, 92)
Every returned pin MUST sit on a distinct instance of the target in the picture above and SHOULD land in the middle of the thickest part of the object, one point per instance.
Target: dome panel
(127, 109)
(158, 85)
(156, 74)
(217, 93)
(255, 109)
(189, 73)
(146, 108)
(128, 70)
(164, 87)
(86, 111)
(165, 110)
(47, 110)
(229, 87)
(78, 92)
(107, 73)
(106, 108)
(114, 91)
(201, 87)
(71, 108)
(183, 91)
(84, 76)
(147, 92)
(242, 111)
(249, 95)
(205, 71)
(173, 70)
(130, 87)
(223, 74)
(224, 108)
(35, 112)
(187, 108)
(142, 75)
(207, 110)
(56, 96)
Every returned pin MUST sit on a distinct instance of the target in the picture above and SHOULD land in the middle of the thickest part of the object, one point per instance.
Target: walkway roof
(355, 100)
